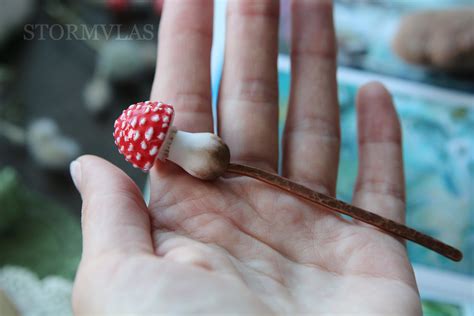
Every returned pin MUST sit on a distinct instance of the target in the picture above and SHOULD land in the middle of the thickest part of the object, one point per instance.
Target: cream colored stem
(203, 155)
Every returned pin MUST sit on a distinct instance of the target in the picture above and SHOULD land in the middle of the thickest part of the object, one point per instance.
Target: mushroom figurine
(144, 132)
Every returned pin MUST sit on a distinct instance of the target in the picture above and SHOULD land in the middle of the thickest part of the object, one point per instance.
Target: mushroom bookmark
(144, 133)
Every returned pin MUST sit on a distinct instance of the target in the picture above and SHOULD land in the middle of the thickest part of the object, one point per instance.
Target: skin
(235, 245)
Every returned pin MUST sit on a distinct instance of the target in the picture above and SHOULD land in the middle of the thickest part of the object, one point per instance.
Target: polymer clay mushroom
(144, 133)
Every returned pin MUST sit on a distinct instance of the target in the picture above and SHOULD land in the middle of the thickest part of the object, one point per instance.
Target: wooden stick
(333, 204)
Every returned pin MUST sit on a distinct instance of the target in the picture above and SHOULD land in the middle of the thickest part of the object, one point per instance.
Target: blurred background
(68, 68)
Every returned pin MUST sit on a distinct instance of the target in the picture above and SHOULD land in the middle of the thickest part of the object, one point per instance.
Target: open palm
(236, 245)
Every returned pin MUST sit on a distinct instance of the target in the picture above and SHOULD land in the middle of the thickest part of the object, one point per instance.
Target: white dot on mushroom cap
(166, 118)
(160, 104)
(122, 148)
(143, 144)
(118, 139)
(137, 134)
(147, 110)
(126, 138)
(128, 157)
(153, 150)
(129, 113)
(130, 147)
(130, 133)
(161, 136)
(165, 125)
(138, 106)
(149, 133)
(123, 124)
(168, 110)
(155, 109)
(147, 166)
(131, 107)
(142, 121)
(138, 156)
(133, 122)
(122, 117)
(135, 166)
(116, 123)
(155, 118)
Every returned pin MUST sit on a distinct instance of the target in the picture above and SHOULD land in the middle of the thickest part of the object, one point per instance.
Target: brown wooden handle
(333, 204)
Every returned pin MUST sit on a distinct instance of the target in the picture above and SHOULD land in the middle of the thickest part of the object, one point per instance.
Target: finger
(311, 138)
(248, 99)
(182, 75)
(380, 183)
(114, 215)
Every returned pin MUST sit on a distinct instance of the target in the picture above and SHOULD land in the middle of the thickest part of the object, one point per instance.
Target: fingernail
(76, 174)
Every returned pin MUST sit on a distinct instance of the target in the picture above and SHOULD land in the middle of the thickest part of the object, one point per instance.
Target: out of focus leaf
(36, 233)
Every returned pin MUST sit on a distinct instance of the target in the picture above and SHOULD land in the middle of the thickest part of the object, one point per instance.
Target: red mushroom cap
(117, 5)
(141, 131)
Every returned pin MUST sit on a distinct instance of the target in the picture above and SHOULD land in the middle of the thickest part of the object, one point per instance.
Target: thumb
(114, 214)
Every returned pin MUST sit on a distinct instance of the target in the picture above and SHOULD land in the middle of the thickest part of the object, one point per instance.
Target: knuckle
(381, 187)
(314, 124)
(322, 185)
(257, 91)
(322, 50)
(193, 101)
(380, 140)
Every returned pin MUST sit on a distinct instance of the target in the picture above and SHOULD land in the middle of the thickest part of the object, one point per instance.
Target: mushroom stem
(203, 155)
(333, 204)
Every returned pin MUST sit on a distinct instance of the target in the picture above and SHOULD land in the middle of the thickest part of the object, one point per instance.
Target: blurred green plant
(11, 203)
(433, 308)
(35, 232)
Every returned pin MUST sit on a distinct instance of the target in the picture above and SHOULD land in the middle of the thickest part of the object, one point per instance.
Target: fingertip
(114, 213)
(76, 174)
(374, 85)
(373, 91)
(77, 166)
(81, 166)
(96, 175)
(75, 169)
(380, 180)
(376, 114)
(90, 159)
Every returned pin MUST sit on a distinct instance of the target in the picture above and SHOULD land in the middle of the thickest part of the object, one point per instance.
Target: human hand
(236, 245)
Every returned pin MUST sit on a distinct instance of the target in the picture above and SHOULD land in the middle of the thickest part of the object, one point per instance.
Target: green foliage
(36, 233)
(433, 308)
(11, 203)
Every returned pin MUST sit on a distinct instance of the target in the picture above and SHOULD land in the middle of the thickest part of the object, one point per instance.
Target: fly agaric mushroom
(144, 132)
